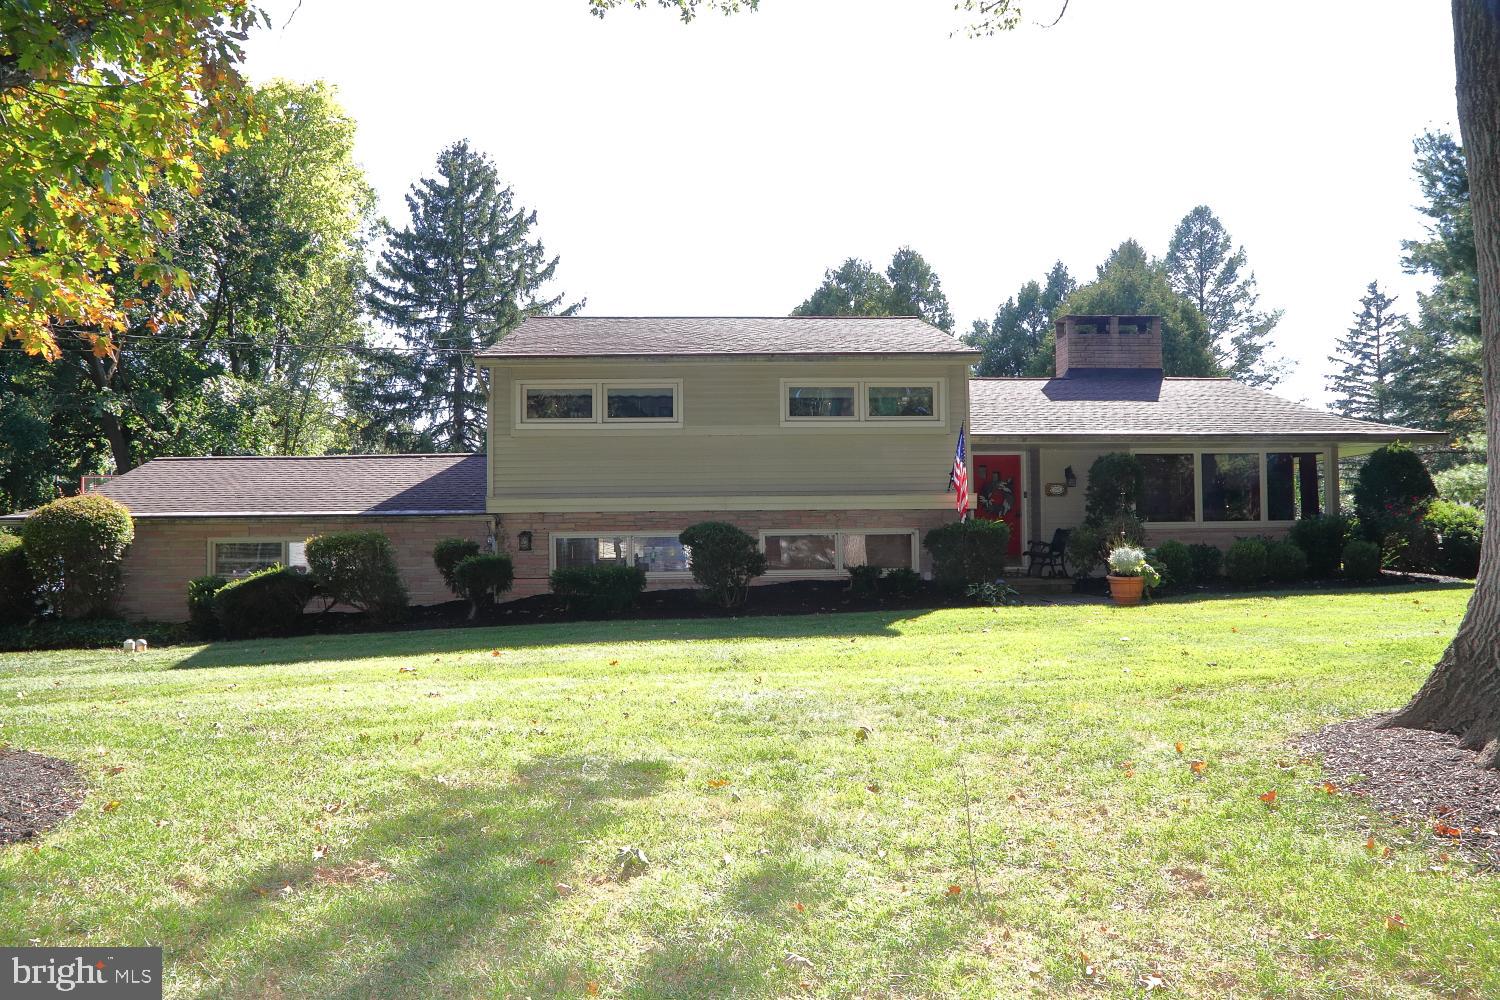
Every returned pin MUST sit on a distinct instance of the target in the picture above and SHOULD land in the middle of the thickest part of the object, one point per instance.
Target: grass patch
(441, 814)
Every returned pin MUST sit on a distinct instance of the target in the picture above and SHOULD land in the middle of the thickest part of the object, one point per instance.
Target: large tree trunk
(1463, 694)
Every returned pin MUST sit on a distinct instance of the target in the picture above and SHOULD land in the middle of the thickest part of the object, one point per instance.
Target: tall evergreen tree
(1440, 377)
(1365, 360)
(461, 275)
(1203, 264)
(1013, 342)
(909, 287)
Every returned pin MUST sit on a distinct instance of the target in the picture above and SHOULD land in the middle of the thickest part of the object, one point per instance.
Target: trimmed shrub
(1361, 560)
(448, 553)
(598, 590)
(268, 602)
(968, 552)
(1391, 495)
(1459, 530)
(864, 581)
(201, 592)
(1285, 562)
(1114, 486)
(358, 568)
(1463, 483)
(1322, 540)
(900, 582)
(96, 633)
(74, 547)
(1245, 562)
(1208, 561)
(724, 561)
(1176, 563)
(482, 579)
(17, 588)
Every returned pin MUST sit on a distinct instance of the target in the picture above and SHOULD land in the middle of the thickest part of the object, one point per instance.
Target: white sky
(719, 167)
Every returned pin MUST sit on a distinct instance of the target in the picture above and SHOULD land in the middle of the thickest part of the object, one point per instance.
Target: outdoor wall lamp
(523, 541)
(1069, 478)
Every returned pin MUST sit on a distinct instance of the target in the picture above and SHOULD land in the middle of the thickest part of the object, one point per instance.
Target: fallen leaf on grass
(1444, 830)
(862, 733)
(1269, 797)
(115, 770)
(1151, 982)
(954, 890)
(1330, 788)
(494, 652)
(1317, 936)
(796, 961)
(407, 670)
(717, 782)
(1179, 746)
(614, 663)
(563, 889)
(873, 787)
(1395, 922)
(546, 861)
(1370, 843)
(1198, 766)
(798, 907)
(111, 806)
(592, 988)
(320, 852)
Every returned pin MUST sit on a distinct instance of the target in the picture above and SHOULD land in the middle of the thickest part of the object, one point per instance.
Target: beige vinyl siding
(731, 442)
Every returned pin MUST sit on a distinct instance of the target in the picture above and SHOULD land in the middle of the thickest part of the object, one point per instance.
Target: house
(828, 438)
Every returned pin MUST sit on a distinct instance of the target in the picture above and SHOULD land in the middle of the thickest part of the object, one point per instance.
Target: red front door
(997, 491)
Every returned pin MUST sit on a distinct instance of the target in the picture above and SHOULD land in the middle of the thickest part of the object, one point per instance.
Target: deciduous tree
(1014, 342)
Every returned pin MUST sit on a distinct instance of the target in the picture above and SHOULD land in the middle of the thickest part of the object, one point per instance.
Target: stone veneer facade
(534, 567)
(170, 551)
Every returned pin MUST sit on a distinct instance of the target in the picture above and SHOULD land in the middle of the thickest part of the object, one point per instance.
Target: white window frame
(285, 543)
(601, 406)
(935, 384)
(785, 402)
(631, 536)
(861, 417)
(839, 569)
(599, 393)
(1261, 452)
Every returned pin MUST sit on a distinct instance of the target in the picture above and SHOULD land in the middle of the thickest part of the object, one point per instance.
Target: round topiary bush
(1459, 532)
(448, 553)
(1361, 560)
(17, 588)
(482, 579)
(74, 547)
(1392, 482)
(1176, 563)
(1285, 562)
(1322, 540)
(965, 553)
(724, 561)
(268, 602)
(1245, 562)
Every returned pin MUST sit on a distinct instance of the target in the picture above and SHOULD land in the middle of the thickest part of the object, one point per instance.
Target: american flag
(958, 479)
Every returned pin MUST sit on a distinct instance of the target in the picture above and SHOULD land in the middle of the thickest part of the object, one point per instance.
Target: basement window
(237, 557)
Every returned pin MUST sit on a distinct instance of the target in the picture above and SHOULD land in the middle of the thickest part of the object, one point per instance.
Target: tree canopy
(909, 287)
(100, 105)
(1015, 341)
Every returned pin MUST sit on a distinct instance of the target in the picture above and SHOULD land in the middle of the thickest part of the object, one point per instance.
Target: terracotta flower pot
(1126, 590)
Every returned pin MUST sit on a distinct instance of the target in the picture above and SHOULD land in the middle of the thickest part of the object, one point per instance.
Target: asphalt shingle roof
(627, 336)
(327, 484)
(1116, 405)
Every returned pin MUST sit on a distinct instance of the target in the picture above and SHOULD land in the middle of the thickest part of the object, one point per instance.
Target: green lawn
(311, 818)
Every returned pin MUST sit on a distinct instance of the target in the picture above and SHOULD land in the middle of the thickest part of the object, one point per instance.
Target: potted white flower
(1130, 575)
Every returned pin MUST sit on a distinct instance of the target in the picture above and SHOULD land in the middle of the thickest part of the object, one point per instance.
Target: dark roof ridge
(288, 458)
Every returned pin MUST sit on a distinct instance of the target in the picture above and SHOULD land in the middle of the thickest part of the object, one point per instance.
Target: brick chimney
(1094, 344)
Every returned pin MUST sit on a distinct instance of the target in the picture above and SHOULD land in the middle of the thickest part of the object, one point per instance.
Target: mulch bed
(36, 793)
(1415, 776)
(801, 597)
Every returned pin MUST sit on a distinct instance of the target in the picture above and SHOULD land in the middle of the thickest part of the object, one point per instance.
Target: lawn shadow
(442, 875)
(255, 652)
